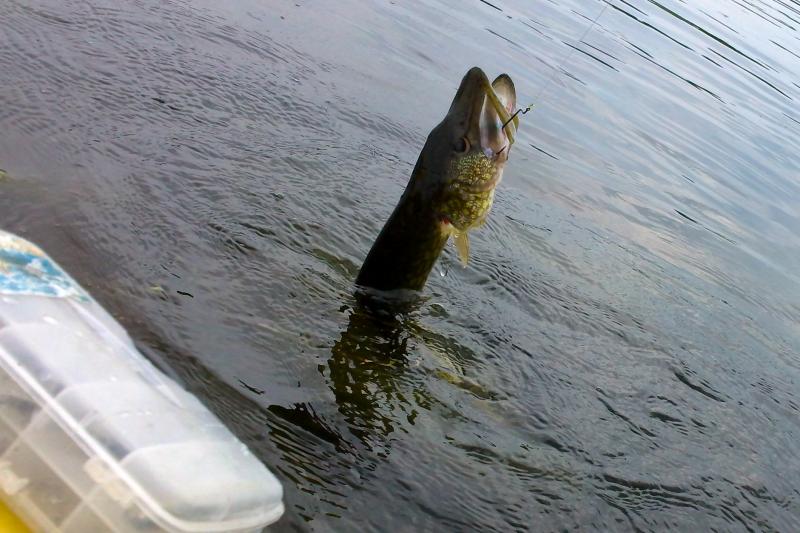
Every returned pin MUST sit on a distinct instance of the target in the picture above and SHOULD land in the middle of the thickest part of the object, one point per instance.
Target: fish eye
(461, 145)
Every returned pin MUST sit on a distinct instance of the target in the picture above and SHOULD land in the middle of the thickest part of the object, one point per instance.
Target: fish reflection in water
(365, 362)
(368, 369)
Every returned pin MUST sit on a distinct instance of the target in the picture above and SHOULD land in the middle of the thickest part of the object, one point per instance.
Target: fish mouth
(485, 109)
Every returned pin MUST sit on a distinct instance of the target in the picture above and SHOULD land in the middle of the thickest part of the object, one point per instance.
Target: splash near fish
(452, 186)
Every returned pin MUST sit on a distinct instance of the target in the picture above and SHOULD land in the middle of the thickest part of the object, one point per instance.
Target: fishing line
(559, 65)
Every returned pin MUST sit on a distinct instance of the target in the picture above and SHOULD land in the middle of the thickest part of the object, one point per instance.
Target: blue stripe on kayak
(26, 270)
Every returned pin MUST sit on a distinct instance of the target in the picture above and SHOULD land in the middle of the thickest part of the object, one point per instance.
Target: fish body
(452, 186)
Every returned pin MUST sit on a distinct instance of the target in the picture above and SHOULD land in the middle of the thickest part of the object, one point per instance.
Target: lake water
(623, 351)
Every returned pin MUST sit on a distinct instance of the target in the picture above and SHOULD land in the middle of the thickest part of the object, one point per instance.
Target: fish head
(464, 155)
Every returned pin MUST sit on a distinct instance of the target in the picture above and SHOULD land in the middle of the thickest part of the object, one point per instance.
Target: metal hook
(517, 112)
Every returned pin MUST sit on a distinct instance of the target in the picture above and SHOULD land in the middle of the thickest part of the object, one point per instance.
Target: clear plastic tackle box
(93, 437)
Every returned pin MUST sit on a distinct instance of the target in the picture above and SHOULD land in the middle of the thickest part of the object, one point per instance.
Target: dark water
(621, 353)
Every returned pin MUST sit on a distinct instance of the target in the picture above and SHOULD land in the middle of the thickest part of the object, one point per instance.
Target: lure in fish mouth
(451, 189)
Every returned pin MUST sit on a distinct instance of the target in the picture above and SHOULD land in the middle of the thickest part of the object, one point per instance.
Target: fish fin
(462, 245)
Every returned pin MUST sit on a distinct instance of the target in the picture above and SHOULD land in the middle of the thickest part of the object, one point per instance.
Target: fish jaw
(484, 109)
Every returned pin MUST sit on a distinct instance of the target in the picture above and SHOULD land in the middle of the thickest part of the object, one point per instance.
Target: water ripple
(621, 351)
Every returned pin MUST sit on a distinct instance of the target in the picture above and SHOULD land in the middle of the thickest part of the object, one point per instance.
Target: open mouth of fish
(495, 123)
(487, 108)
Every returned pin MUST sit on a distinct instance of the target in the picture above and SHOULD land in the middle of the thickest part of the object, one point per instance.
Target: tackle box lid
(93, 436)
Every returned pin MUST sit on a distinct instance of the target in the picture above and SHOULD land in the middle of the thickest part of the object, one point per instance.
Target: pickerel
(451, 189)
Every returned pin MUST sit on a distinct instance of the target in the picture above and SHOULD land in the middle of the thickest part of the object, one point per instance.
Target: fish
(452, 186)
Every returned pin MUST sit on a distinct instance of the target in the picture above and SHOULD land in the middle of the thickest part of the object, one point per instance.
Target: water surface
(621, 353)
